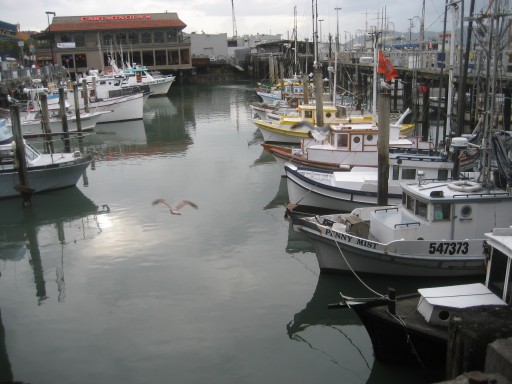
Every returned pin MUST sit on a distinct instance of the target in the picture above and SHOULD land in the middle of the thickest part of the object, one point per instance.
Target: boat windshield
(31, 153)
(499, 272)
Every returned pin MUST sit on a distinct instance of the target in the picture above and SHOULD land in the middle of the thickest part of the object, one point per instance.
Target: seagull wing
(320, 134)
(186, 202)
(161, 201)
(302, 124)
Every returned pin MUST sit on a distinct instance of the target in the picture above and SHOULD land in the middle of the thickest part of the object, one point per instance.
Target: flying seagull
(175, 210)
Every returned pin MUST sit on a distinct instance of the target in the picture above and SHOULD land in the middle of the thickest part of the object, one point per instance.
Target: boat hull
(308, 192)
(396, 341)
(274, 133)
(125, 108)
(44, 178)
(342, 252)
(88, 122)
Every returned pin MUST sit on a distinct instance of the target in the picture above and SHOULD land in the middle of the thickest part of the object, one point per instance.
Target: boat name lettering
(366, 243)
(114, 18)
(338, 235)
(449, 248)
(344, 237)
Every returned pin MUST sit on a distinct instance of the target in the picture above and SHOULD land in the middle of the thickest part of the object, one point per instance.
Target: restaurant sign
(115, 18)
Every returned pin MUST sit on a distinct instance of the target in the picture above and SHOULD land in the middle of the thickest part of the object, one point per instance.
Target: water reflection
(297, 242)
(340, 323)
(169, 121)
(281, 197)
(6, 375)
(122, 133)
(265, 158)
(68, 213)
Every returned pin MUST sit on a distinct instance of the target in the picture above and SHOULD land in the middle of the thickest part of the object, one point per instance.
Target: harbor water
(98, 285)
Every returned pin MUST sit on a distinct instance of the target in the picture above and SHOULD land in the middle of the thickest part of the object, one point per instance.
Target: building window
(79, 39)
(146, 37)
(160, 57)
(133, 38)
(185, 56)
(159, 37)
(121, 38)
(66, 38)
(136, 57)
(108, 39)
(67, 61)
(81, 60)
(171, 35)
(147, 58)
(174, 58)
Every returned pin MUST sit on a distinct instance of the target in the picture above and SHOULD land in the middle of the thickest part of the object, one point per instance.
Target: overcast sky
(251, 16)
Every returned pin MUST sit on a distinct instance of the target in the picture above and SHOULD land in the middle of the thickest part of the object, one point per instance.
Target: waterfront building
(80, 43)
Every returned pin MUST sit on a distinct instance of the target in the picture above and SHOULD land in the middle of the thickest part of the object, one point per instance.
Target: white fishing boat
(31, 124)
(139, 75)
(437, 230)
(280, 91)
(344, 191)
(346, 146)
(122, 108)
(45, 171)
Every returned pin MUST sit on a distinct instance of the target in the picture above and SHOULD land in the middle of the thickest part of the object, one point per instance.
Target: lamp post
(338, 30)
(411, 26)
(48, 13)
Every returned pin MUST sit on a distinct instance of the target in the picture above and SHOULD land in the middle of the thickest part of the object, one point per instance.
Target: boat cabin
(443, 210)
(439, 304)
(499, 274)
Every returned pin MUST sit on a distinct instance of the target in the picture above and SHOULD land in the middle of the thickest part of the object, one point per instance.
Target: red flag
(386, 68)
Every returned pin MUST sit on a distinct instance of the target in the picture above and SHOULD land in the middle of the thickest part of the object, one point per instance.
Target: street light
(411, 26)
(338, 30)
(320, 21)
(48, 13)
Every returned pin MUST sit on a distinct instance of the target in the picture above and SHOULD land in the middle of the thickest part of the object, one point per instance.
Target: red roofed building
(80, 43)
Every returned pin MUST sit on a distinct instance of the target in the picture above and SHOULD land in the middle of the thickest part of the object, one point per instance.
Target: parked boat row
(96, 99)
(446, 213)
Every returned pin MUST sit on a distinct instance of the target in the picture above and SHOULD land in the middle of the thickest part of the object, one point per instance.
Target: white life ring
(464, 186)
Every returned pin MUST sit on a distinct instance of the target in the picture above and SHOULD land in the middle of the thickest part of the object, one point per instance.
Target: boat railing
(483, 194)
(386, 209)
(407, 225)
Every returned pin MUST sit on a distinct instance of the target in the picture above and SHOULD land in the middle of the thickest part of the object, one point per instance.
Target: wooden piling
(64, 117)
(77, 108)
(319, 91)
(85, 95)
(78, 117)
(45, 123)
(23, 187)
(383, 148)
(469, 333)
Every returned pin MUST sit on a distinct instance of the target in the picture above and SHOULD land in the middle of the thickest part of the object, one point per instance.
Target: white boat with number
(437, 230)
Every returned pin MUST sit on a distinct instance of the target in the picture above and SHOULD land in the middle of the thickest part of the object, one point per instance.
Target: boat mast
(317, 74)
(449, 100)
(375, 63)
(295, 36)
